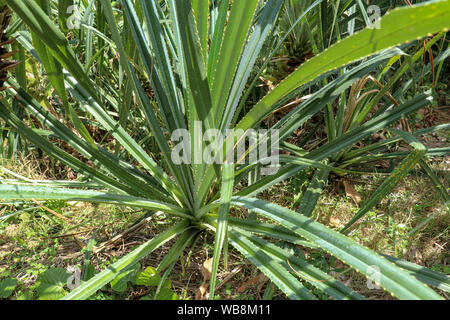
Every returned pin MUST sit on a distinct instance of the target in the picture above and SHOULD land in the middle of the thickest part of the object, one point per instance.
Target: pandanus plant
(198, 56)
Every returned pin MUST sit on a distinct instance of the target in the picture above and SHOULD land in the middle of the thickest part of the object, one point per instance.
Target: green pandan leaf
(398, 26)
(7, 287)
(51, 284)
(90, 272)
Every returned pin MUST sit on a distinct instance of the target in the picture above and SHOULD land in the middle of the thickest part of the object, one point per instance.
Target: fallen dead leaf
(258, 281)
(206, 273)
(201, 291)
(351, 192)
(335, 222)
(206, 269)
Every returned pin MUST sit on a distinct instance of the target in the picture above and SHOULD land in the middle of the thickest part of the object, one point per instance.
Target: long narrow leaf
(362, 259)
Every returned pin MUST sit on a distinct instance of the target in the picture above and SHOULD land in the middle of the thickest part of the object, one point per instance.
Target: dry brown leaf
(384, 164)
(206, 269)
(416, 255)
(206, 273)
(261, 284)
(259, 280)
(335, 222)
(351, 192)
(201, 291)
